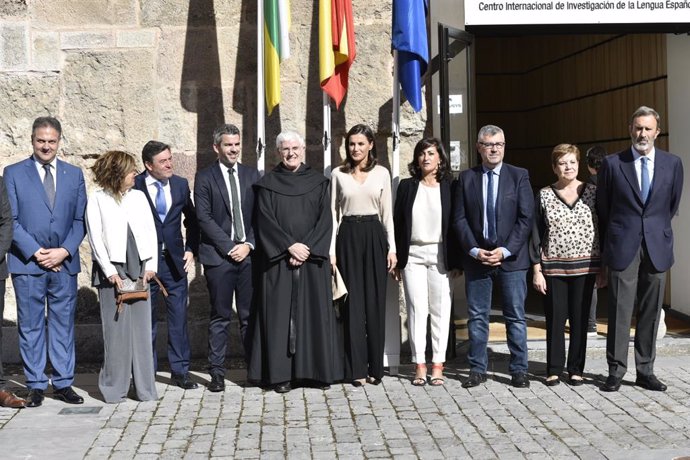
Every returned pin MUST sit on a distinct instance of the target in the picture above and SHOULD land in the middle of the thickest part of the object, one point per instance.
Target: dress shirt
(485, 184)
(638, 166)
(42, 172)
(153, 191)
(226, 177)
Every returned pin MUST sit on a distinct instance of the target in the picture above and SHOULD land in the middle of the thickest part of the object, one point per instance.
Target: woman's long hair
(348, 164)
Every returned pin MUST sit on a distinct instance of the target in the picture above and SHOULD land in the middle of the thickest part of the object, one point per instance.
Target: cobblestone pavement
(394, 419)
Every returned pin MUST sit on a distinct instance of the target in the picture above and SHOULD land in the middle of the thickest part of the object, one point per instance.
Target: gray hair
(644, 111)
(219, 132)
(289, 136)
(488, 131)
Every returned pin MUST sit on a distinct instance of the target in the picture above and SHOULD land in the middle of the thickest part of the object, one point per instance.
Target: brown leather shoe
(8, 399)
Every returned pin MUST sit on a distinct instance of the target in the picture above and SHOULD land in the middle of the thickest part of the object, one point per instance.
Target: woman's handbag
(339, 291)
(131, 291)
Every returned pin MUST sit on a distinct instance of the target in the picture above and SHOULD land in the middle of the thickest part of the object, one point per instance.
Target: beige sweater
(350, 198)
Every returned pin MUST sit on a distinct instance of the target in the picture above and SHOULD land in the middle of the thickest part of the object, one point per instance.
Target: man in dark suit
(48, 199)
(170, 199)
(638, 194)
(224, 202)
(492, 218)
(7, 398)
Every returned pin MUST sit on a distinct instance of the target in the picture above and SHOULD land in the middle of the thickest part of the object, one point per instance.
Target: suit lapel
(35, 180)
(217, 175)
(140, 183)
(627, 166)
(479, 192)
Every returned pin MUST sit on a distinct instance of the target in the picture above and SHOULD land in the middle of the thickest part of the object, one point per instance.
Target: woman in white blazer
(123, 242)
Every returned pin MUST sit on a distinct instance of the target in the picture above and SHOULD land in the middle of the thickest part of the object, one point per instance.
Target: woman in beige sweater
(363, 248)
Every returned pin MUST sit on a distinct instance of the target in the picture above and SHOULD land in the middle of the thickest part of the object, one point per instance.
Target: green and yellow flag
(276, 47)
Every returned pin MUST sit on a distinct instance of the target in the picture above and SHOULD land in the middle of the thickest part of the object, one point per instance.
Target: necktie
(236, 209)
(49, 185)
(490, 208)
(644, 179)
(161, 206)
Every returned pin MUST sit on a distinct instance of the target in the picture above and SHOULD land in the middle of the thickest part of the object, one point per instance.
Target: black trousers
(567, 297)
(224, 281)
(361, 250)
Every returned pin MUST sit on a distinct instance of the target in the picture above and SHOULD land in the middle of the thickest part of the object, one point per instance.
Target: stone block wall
(120, 72)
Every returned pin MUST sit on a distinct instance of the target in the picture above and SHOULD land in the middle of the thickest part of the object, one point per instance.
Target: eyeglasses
(491, 145)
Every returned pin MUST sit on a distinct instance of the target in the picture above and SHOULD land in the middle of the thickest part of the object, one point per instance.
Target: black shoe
(373, 381)
(217, 383)
(519, 380)
(552, 382)
(358, 383)
(68, 395)
(474, 380)
(34, 398)
(612, 384)
(649, 382)
(284, 387)
(183, 381)
(573, 382)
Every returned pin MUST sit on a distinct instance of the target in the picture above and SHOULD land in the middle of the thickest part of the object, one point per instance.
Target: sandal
(437, 381)
(420, 380)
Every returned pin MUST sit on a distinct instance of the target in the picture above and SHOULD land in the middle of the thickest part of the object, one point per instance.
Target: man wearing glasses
(492, 218)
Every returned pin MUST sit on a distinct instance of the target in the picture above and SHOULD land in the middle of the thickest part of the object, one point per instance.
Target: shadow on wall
(200, 88)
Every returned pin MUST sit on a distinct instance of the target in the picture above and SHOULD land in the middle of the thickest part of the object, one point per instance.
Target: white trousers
(427, 294)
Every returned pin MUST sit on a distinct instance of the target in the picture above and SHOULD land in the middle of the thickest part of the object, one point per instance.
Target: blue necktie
(161, 207)
(644, 179)
(490, 208)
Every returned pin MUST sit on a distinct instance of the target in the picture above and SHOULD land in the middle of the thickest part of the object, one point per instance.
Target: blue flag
(410, 39)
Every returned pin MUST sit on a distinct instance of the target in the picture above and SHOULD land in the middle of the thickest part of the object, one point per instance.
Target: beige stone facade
(120, 72)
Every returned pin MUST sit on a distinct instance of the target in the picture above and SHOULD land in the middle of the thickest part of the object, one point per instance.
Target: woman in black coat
(423, 239)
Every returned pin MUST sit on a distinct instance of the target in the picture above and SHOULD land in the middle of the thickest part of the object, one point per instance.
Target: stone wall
(120, 72)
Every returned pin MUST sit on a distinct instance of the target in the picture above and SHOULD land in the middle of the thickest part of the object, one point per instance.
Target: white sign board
(543, 12)
(454, 104)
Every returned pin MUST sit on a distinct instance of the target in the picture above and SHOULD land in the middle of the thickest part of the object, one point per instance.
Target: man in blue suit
(170, 199)
(637, 196)
(492, 218)
(224, 203)
(48, 200)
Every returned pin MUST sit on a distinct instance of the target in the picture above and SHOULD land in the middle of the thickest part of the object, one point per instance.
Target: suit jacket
(402, 222)
(214, 211)
(625, 221)
(36, 225)
(5, 229)
(169, 232)
(514, 215)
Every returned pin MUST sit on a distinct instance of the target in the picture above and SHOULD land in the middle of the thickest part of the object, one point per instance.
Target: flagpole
(260, 96)
(326, 134)
(396, 124)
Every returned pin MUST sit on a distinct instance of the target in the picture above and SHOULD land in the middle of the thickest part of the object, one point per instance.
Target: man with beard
(638, 194)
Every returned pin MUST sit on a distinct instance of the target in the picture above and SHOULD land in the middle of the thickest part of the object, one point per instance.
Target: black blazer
(514, 216)
(624, 221)
(214, 211)
(6, 224)
(170, 231)
(402, 222)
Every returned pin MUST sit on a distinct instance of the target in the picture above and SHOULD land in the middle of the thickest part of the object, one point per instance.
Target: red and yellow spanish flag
(276, 47)
(336, 46)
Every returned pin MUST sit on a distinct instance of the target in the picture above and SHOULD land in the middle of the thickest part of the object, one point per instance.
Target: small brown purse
(131, 291)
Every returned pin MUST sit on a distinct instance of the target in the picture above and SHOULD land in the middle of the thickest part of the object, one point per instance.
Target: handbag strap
(160, 285)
